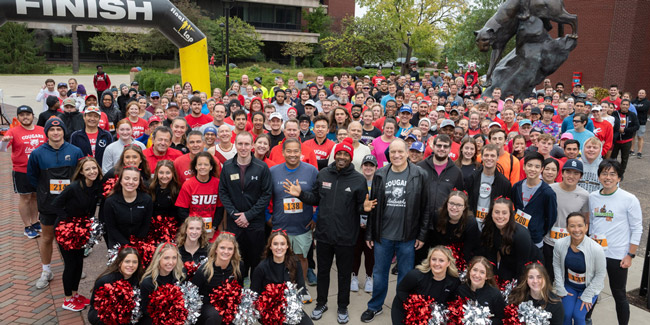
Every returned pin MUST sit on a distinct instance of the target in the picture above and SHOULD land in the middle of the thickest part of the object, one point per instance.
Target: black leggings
(368, 254)
(617, 281)
(73, 267)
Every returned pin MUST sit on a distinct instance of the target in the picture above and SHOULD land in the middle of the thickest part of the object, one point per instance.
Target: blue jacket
(45, 164)
(542, 207)
(80, 139)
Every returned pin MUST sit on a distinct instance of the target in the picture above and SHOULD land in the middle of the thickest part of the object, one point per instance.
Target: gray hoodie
(589, 180)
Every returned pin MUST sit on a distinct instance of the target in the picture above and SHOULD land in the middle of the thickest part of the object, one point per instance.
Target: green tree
(115, 42)
(425, 20)
(244, 40)
(461, 44)
(318, 21)
(19, 51)
(296, 50)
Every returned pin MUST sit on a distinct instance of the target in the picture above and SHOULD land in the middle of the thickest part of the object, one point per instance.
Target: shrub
(19, 51)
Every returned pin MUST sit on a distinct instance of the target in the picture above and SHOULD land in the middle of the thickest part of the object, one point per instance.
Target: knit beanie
(345, 145)
(53, 121)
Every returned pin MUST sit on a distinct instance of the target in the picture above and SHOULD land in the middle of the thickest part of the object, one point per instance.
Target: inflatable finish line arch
(159, 14)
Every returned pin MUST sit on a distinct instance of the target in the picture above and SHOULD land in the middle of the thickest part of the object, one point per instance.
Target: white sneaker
(305, 297)
(354, 284)
(368, 286)
(44, 280)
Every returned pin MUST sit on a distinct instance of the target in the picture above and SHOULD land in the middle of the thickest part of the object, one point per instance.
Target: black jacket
(304, 136)
(73, 122)
(125, 219)
(440, 185)
(43, 117)
(269, 272)
(555, 308)
(486, 296)
(500, 187)
(253, 199)
(416, 282)
(417, 215)
(218, 277)
(80, 139)
(642, 106)
(340, 196)
(146, 289)
(470, 238)
(77, 200)
(113, 114)
(108, 278)
(631, 126)
(199, 255)
(165, 203)
(522, 251)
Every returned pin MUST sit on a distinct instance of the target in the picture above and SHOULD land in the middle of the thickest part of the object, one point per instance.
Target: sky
(359, 11)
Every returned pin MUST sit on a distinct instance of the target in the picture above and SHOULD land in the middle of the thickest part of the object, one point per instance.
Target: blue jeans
(572, 312)
(384, 251)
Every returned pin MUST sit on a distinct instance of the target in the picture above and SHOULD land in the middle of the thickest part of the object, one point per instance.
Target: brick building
(613, 44)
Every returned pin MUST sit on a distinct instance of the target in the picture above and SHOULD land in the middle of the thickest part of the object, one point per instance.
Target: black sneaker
(632, 153)
(639, 155)
(369, 315)
(318, 312)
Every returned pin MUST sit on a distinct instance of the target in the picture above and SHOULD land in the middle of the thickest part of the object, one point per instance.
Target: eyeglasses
(577, 121)
(442, 146)
(455, 205)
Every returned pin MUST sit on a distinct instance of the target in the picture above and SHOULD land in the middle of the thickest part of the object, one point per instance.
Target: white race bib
(576, 278)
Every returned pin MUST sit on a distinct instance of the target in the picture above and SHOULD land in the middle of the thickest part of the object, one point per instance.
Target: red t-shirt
(454, 153)
(605, 132)
(322, 151)
(558, 119)
(229, 121)
(514, 128)
(197, 122)
(182, 166)
(307, 155)
(616, 103)
(104, 123)
(139, 127)
(376, 78)
(379, 123)
(92, 137)
(23, 143)
(201, 198)
(152, 159)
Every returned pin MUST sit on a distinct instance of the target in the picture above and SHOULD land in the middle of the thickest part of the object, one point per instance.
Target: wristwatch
(631, 255)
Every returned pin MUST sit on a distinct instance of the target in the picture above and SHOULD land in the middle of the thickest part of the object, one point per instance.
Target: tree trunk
(75, 50)
(407, 60)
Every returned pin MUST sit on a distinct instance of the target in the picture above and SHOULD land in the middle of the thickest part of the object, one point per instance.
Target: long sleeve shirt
(615, 221)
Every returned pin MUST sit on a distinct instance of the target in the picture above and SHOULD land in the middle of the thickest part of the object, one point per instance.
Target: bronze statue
(504, 24)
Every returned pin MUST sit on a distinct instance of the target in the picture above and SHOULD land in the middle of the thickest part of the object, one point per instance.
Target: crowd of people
(458, 190)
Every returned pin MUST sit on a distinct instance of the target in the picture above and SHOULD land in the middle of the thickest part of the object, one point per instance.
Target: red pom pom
(271, 304)
(511, 315)
(455, 315)
(457, 253)
(109, 185)
(163, 229)
(417, 309)
(145, 248)
(191, 268)
(226, 299)
(167, 306)
(73, 233)
(114, 302)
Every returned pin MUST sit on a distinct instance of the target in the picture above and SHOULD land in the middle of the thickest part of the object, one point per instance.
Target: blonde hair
(182, 232)
(234, 260)
(425, 266)
(154, 267)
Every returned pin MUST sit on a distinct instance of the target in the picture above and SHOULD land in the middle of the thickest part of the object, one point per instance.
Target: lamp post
(229, 5)
(223, 57)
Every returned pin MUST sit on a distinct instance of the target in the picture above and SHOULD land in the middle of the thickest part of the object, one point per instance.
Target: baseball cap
(424, 120)
(524, 122)
(62, 85)
(153, 119)
(508, 99)
(417, 145)
(154, 94)
(574, 164)
(24, 109)
(596, 108)
(92, 109)
(447, 122)
(566, 136)
(406, 108)
(440, 109)
(454, 110)
(232, 93)
(412, 136)
(535, 110)
(69, 101)
(549, 108)
(536, 129)
(494, 124)
(275, 115)
(366, 77)
(135, 83)
(577, 85)
(258, 80)
(172, 105)
(257, 91)
(369, 159)
(210, 129)
(310, 102)
(548, 98)
(588, 103)
(454, 103)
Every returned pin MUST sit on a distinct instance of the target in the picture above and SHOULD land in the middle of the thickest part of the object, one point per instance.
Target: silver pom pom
(530, 314)
(473, 313)
(293, 310)
(462, 276)
(203, 261)
(508, 289)
(438, 314)
(137, 311)
(193, 301)
(247, 314)
(96, 232)
(111, 254)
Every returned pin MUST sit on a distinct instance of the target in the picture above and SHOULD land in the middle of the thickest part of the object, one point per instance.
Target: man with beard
(280, 105)
(355, 111)
(382, 91)
(23, 139)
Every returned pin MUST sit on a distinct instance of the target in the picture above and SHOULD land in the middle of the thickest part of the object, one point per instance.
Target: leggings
(617, 281)
(572, 313)
(368, 254)
(73, 266)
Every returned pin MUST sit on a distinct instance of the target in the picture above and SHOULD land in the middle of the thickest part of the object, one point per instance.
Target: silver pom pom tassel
(530, 314)
(473, 313)
(193, 301)
(293, 310)
(247, 314)
(136, 313)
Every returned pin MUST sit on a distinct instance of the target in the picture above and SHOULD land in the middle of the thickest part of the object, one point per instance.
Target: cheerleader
(506, 243)
(482, 288)
(223, 264)
(165, 268)
(457, 226)
(78, 200)
(164, 189)
(192, 240)
(132, 155)
(534, 284)
(127, 267)
(279, 264)
(435, 277)
(127, 211)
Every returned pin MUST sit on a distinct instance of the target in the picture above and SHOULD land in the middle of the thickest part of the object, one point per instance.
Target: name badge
(58, 185)
(600, 239)
(208, 224)
(576, 278)
(292, 205)
(558, 233)
(234, 177)
(327, 185)
(522, 218)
